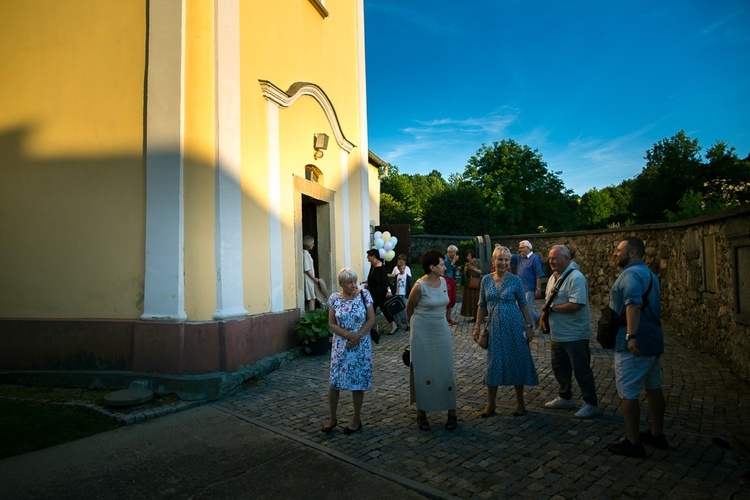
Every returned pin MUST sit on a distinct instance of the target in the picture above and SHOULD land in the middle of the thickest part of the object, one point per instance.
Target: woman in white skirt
(432, 382)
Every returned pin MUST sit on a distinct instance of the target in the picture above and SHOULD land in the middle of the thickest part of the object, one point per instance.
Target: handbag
(374, 332)
(474, 282)
(484, 337)
(610, 322)
(544, 318)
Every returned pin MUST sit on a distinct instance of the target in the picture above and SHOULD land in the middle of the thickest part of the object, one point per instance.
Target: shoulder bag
(610, 322)
(474, 282)
(544, 318)
(374, 333)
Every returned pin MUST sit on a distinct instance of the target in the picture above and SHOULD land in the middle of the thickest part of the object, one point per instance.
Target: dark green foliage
(672, 168)
(456, 210)
(520, 194)
(313, 325)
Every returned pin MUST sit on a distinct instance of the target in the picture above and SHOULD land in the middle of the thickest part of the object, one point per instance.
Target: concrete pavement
(265, 442)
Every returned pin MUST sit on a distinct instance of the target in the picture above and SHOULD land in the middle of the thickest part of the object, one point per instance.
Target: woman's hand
(475, 334)
(353, 339)
(529, 334)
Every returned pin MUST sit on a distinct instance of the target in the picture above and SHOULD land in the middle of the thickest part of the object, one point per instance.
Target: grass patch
(31, 425)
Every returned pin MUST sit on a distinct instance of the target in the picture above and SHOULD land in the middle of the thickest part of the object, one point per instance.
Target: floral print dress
(509, 360)
(351, 369)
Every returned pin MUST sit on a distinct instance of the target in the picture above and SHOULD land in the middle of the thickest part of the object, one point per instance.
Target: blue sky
(591, 85)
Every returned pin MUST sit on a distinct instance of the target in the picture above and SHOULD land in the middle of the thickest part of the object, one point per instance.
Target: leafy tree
(397, 200)
(520, 194)
(726, 178)
(457, 210)
(425, 187)
(621, 197)
(393, 211)
(595, 208)
(672, 168)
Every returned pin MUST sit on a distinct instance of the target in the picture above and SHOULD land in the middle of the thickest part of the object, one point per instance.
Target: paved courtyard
(544, 454)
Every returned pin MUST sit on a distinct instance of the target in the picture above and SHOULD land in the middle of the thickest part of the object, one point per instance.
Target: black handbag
(374, 333)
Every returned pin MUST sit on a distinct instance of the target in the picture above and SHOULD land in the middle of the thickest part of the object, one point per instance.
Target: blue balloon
(393, 241)
(379, 243)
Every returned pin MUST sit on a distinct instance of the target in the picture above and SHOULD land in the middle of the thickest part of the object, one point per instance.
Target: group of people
(503, 299)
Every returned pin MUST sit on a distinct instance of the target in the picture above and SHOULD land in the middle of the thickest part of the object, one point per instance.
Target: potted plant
(313, 331)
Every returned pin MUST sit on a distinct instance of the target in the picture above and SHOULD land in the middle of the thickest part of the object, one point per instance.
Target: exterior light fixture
(320, 144)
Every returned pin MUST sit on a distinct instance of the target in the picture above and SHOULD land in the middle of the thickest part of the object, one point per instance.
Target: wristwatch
(552, 308)
(628, 336)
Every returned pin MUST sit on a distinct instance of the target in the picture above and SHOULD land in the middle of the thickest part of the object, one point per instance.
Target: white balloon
(386, 235)
(390, 255)
(382, 253)
(387, 246)
(379, 243)
(376, 235)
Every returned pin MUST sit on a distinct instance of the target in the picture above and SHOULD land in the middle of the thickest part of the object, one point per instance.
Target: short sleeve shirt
(575, 326)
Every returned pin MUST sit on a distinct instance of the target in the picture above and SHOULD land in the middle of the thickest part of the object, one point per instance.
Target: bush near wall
(702, 265)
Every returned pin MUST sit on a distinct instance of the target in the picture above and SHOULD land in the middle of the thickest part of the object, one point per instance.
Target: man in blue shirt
(529, 269)
(636, 296)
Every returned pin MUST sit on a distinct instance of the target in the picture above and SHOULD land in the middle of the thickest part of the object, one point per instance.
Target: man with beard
(636, 296)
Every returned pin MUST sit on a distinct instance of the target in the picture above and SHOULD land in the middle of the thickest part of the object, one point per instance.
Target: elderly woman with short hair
(350, 317)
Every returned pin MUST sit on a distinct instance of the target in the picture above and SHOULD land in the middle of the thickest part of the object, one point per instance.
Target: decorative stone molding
(285, 99)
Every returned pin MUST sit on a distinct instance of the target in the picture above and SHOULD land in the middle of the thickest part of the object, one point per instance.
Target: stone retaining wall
(703, 265)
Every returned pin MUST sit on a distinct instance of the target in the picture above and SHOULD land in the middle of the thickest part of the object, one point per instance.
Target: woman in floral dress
(350, 317)
(509, 359)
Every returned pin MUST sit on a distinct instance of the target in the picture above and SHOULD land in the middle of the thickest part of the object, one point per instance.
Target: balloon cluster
(385, 244)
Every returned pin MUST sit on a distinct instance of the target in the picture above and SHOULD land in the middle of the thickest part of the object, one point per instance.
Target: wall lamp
(320, 144)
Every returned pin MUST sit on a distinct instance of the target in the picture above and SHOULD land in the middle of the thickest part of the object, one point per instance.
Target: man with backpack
(636, 296)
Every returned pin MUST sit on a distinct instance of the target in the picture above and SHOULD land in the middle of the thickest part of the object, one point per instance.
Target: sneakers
(627, 449)
(588, 411)
(560, 404)
(649, 439)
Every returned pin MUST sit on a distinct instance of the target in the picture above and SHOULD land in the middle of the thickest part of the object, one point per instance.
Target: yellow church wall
(323, 52)
(199, 165)
(72, 173)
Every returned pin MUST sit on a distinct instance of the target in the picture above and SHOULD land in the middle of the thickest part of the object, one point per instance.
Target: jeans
(569, 358)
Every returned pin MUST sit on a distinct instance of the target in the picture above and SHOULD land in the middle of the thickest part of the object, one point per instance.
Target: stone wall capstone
(697, 264)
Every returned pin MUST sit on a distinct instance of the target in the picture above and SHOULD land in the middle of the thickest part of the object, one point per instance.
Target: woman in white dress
(308, 242)
(432, 382)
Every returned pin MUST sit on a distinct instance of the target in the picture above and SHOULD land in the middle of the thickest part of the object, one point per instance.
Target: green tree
(521, 195)
(621, 196)
(456, 210)
(595, 209)
(397, 200)
(425, 187)
(673, 167)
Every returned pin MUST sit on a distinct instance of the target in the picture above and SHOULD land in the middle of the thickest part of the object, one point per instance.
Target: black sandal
(452, 423)
(422, 422)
